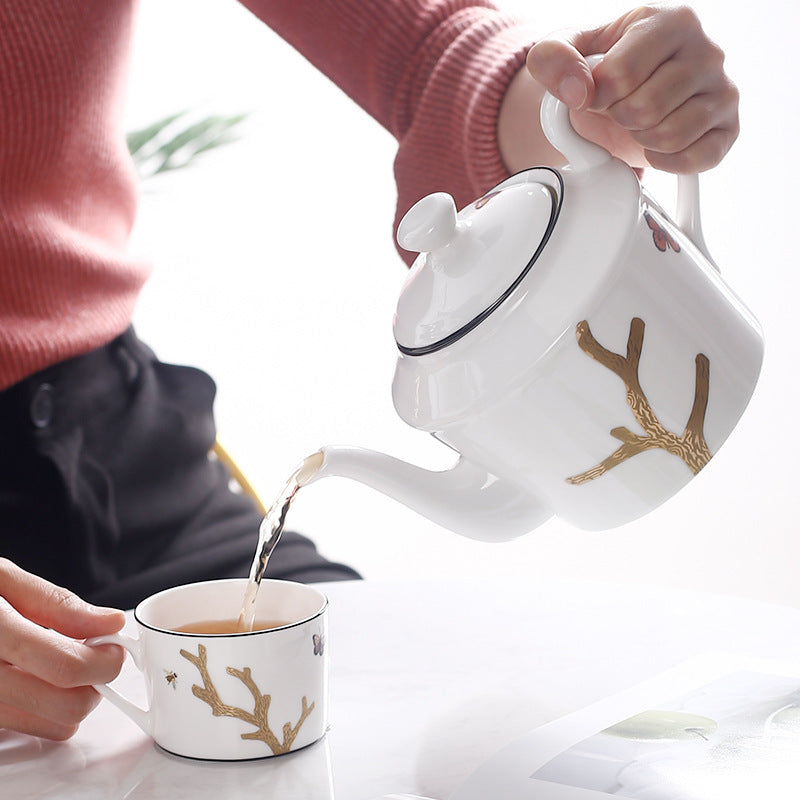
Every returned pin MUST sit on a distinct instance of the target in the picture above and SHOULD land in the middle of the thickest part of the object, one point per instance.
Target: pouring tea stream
(576, 347)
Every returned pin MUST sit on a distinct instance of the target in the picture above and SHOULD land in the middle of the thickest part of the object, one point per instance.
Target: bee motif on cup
(171, 678)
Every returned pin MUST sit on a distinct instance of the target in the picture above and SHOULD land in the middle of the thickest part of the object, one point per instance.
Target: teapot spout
(465, 499)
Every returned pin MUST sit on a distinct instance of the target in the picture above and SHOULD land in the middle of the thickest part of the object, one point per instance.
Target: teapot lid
(471, 261)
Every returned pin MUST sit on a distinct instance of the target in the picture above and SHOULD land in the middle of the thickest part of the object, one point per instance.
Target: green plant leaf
(165, 146)
(139, 138)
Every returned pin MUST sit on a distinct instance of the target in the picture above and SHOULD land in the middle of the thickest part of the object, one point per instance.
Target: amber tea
(214, 626)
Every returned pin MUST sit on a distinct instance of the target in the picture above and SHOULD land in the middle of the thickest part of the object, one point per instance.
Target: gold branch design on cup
(258, 717)
(690, 446)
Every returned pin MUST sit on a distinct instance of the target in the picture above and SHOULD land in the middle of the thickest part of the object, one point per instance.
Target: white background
(275, 271)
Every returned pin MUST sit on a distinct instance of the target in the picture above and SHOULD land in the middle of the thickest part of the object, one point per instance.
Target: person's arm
(45, 671)
(447, 78)
(432, 72)
(660, 97)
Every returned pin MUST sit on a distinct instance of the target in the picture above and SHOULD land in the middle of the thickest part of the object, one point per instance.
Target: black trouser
(107, 488)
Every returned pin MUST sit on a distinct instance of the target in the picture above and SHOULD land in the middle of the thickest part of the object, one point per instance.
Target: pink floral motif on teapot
(661, 238)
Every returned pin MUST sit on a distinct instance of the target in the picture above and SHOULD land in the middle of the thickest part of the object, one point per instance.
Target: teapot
(576, 347)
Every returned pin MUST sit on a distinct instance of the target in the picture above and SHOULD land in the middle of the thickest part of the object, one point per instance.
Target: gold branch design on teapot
(258, 717)
(690, 446)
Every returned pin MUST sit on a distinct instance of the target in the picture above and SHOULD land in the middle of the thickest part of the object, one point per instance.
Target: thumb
(53, 606)
(558, 61)
(561, 68)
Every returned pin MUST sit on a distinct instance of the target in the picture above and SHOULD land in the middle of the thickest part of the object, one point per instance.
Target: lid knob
(429, 224)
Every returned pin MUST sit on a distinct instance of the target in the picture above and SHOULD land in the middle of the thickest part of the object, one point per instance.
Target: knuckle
(636, 114)
(730, 97)
(733, 134)
(715, 55)
(615, 80)
(684, 17)
(668, 137)
(707, 57)
(613, 73)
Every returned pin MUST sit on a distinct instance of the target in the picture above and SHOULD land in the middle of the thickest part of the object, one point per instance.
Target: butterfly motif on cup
(661, 238)
(319, 644)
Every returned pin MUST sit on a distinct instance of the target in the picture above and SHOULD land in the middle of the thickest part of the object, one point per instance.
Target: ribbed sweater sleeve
(433, 72)
(67, 186)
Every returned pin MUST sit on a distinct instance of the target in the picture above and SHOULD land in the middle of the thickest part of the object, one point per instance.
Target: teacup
(229, 696)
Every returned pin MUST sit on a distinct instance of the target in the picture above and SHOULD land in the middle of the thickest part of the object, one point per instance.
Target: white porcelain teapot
(576, 347)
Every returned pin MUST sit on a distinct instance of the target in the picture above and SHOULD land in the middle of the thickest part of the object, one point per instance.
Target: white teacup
(229, 696)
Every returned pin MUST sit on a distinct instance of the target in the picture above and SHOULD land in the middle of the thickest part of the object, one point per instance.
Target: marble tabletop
(428, 680)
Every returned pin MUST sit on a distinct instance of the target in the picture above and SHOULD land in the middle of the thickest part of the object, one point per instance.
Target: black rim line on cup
(265, 757)
(555, 209)
(231, 635)
(235, 635)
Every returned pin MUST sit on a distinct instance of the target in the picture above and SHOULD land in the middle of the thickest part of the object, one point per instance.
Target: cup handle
(143, 718)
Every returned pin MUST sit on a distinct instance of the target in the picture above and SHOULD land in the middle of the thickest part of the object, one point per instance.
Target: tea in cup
(218, 693)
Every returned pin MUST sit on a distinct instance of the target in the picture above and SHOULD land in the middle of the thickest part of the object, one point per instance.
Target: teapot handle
(583, 155)
(687, 213)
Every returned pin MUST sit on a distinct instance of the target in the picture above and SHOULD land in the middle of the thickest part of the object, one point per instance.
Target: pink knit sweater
(433, 72)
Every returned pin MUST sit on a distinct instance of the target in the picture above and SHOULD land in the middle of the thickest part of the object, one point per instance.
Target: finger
(55, 607)
(687, 124)
(658, 97)
(561, 69)
(15, 719)
(631, 54)
(54, 658)
(644, 43)
(701, 155)
(558, 61)
(27, 693)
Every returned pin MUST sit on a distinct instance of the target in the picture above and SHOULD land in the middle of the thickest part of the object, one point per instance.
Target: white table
(427, 681)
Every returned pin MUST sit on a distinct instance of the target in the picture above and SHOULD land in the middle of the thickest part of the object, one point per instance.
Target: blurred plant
(171, 143)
